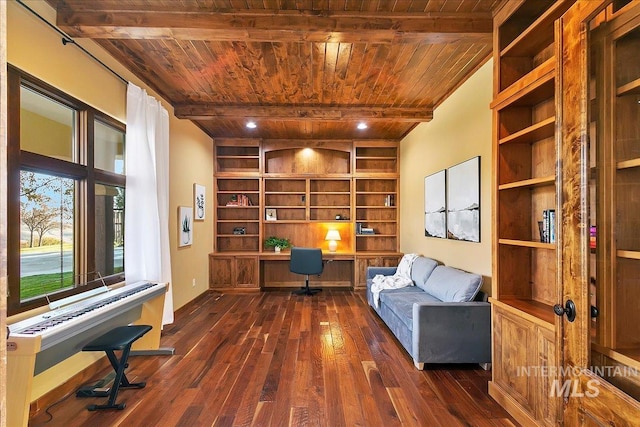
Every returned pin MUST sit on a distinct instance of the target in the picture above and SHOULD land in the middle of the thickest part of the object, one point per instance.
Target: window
(47, 234)
(109, 235)
(66, 189)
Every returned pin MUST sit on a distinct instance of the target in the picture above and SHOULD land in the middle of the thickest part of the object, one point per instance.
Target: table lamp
(333, 236)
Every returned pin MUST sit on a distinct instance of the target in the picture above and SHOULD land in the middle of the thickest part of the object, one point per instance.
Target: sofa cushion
(401, 301)
(421, 270)
(452, 285)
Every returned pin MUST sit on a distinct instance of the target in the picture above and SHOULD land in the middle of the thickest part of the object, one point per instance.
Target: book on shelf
(360, 229)
(548, 226)
(389, 200)
(239, 200)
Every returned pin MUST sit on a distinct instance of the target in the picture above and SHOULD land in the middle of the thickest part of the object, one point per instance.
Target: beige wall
(460, 130)
(45, 136)
(37, 49)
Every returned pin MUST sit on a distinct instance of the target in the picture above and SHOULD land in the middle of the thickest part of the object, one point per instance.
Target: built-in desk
(253, 271)
(338, 271)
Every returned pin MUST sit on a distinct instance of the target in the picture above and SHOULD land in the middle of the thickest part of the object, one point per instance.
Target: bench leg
(486, 366)
(119, 381)
(418, 365)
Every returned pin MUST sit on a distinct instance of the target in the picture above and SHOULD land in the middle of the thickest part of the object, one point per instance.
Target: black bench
(120, 338)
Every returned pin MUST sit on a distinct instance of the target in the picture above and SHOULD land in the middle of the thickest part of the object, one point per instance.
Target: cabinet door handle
(569, 309)
(594, 312)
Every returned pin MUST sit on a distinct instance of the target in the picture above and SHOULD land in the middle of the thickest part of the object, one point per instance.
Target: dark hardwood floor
(276, 359)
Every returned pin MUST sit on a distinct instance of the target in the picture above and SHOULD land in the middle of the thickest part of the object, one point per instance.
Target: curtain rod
(66, 39)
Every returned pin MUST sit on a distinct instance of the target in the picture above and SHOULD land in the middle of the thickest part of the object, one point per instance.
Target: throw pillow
(449, 284)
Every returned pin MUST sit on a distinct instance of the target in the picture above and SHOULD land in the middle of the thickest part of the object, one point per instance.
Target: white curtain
(146, 233)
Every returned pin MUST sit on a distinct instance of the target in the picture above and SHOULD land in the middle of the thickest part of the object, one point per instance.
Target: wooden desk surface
(284, 256)
(268, 255)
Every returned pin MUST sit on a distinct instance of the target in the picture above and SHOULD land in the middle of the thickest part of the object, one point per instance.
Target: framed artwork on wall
(199, 202)
(185, 226)
(463, 201)
(435, 209)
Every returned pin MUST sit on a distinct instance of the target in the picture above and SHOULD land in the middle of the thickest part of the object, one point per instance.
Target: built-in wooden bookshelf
(375, 157)
(237, 214)
(376, 209)
(330, 199)
(525, 186)
(298, 190)
(233, 157)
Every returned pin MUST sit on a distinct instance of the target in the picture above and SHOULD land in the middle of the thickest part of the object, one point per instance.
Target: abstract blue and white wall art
(435, 210)
(463, 201)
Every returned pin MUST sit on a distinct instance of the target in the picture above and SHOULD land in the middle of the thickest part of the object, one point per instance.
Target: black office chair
(306, 261)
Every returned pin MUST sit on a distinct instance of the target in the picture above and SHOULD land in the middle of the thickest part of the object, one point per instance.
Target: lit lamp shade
(333, 236)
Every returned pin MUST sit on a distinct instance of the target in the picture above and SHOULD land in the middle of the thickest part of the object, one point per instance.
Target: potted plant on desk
(277, 243)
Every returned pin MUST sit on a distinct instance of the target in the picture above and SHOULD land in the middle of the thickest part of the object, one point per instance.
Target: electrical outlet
(193, 283)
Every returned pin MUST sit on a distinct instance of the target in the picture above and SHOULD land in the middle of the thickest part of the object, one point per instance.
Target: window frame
(82, 171)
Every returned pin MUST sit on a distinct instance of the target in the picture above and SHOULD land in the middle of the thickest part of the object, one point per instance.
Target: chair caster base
(307, 291)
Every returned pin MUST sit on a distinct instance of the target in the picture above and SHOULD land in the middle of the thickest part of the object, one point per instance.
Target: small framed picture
(270, 214)
(199, 202)
(185, 226)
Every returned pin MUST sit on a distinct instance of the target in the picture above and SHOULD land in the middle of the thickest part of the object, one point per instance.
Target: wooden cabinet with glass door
(614, 223)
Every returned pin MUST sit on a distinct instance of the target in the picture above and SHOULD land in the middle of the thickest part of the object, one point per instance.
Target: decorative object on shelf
(541, 231)
(185, 224)
(199, 201)
(277, 243)
(435, 209)
(270, 214)
(333, 236)
(463, 201)
(239, 230)
(592, 237)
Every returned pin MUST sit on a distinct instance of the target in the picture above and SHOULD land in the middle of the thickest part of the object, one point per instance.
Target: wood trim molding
(303, 112)
(276, 25)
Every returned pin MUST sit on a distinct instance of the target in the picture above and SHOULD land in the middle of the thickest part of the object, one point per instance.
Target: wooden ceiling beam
(290, 112)
(276, 25)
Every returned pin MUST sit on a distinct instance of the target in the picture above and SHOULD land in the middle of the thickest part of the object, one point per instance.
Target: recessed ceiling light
(362, 126)
(251, 125)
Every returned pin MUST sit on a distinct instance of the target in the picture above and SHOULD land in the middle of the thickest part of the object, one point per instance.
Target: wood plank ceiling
(301, 69)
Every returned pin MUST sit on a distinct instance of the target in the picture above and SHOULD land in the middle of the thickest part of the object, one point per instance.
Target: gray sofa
(443, 318)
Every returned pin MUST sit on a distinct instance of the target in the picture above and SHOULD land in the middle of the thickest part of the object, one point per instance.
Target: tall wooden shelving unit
(237, 171)
(526, 159)
(311, 186)
(566, 109)
(376, 174)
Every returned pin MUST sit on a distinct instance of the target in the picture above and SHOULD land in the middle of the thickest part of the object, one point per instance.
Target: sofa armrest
(456, 332)
(385, 271)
